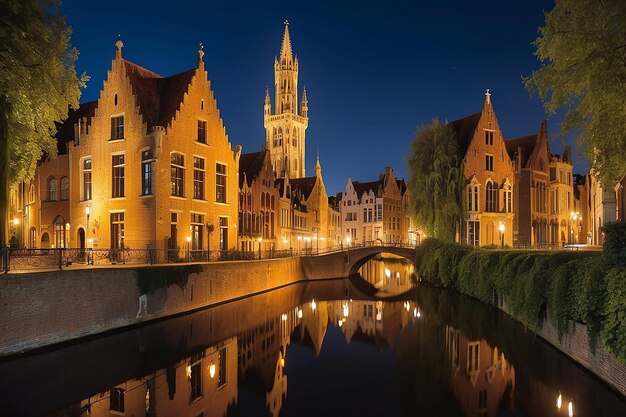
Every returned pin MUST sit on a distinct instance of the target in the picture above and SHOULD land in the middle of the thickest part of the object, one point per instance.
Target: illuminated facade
(285, 124)
(490, 181)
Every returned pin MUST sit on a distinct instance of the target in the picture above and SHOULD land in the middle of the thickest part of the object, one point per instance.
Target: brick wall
(46, 308)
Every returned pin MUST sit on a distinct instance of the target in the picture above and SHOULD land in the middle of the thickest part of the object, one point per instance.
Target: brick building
(490, 180)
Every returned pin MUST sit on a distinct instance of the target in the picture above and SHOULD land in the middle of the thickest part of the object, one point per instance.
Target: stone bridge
(344, 263)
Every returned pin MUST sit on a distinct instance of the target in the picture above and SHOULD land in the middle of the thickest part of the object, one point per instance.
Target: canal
(373, 345)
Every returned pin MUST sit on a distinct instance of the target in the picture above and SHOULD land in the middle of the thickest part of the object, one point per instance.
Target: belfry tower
(285, 127)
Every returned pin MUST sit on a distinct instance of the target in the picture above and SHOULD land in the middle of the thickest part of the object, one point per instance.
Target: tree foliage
(436, 180)
(582, 48)
(38, 82)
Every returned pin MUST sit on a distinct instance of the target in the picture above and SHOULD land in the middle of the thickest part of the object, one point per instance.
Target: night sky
(374, 71)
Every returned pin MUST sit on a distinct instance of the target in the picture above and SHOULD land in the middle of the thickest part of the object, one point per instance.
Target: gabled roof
(464, 129)
(304, 185)
(250, 165)
(158, 97)
(527, 143)
(365, 187)
(65, 131)
(401, 185)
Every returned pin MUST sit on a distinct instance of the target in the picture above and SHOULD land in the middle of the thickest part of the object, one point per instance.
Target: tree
(436, 181)
(38, 82)
(582, 48)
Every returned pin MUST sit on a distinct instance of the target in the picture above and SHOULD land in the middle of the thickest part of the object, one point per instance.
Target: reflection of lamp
(299, 313)
(283, 317)
(313, 305)
(559, 401)
(570, 409)
(212, 370)
(16, 221)
(260, 240)
(189, 371)
(346, 311)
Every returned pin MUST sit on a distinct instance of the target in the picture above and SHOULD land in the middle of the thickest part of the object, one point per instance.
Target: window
(473, 232)
(31, 194)
(489, 162)
(197, 226)
(223, 233)
(146, 172)
(221, 379)
(65, 185)
(198, 178)
(52, 189)
(116, 400)
(177, 174)
(118, 175)
(87, 179)
(491, 197)
(196, 381)
(552, 174)
(472, 198)
(220, 183)
(201, 131)
(508, 199)
(472, 357)
(117, 230)
(488, 137)
(59, 232)
(117, 127)
(482, 400)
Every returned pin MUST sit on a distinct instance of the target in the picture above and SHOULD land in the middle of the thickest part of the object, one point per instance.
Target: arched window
(65, 185)
(59, 232)
(472, 197)
(491, 197)
(31, 194)
(52, 189)
(279, 136)
(508, 199)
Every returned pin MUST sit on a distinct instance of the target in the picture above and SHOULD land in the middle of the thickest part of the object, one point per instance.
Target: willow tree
(582, 48)
(38, 82)
(436, 181)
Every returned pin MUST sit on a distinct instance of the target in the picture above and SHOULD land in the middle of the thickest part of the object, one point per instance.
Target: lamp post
(348, 240)
(188, 248)
(260, 240)
(501, 228)
(573, 222)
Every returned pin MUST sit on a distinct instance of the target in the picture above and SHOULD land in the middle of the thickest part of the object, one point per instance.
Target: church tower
(285, 127)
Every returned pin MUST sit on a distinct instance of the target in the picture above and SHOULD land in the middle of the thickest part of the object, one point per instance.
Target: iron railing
(24, 260)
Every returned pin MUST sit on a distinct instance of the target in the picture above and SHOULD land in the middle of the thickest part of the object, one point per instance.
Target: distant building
(376, 211)
(490, 179)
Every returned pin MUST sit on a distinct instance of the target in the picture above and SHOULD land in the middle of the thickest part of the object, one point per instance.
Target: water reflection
(339, 351)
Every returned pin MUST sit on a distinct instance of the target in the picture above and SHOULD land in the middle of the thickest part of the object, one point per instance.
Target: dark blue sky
(374, 71)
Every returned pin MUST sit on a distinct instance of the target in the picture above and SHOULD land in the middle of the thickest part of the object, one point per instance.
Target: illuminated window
(52, 189)
(86, 178)
(65, 185)
(201, 131)
(146, 172)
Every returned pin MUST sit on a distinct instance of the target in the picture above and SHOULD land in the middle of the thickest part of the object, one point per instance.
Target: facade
(376, 211)
(620, 197)
(285, 124)
(603, 208)
(258, 203)
(150, 164)
(490, 180)
(562, 215)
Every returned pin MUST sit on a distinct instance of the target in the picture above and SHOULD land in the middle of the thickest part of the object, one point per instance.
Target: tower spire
(285, 49)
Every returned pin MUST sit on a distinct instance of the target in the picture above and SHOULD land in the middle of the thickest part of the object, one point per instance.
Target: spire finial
(488, 96)
(286, 22)
(200, 52)
(119, 45)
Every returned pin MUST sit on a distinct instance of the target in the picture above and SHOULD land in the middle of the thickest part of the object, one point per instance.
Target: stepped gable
(364, 187)
(527, 143)
(158, 97)
(250, 165)
(65, 129)
(464, 129)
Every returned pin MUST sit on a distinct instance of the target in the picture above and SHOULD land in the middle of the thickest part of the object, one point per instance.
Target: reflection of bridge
(342, 264)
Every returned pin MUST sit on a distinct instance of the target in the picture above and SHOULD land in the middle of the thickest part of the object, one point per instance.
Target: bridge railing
(354, 246)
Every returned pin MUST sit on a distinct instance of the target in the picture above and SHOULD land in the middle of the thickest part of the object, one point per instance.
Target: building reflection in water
(204, 361)
(480, 375)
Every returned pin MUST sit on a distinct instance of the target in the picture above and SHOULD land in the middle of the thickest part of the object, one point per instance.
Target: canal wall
(45, 308)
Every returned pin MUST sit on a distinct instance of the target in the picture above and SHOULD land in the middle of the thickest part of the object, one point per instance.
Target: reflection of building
(205, 383)
(480, 374)
(388, 273)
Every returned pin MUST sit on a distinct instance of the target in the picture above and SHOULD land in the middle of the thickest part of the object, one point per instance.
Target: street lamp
(501, 228)
(260, 239)
(188, 248)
